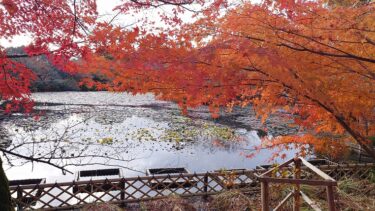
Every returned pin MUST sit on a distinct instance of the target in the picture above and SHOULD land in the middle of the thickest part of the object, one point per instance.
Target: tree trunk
(366, 144)
(368, 148)
(5, 199)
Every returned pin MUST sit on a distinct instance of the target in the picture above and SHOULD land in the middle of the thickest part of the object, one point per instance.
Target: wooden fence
(290, 173)
(124, 190)
(68, 195)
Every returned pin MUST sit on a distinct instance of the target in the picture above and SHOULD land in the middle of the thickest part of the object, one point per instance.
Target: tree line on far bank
(49, 78)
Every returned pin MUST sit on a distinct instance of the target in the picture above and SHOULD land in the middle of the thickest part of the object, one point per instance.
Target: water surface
(92, 130)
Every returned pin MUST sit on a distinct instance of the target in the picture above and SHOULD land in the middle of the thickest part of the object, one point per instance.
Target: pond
(95, 130)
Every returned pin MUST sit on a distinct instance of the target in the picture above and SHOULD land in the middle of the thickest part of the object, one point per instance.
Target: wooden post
(297, 188)
(265, 196)
(19, 199)
(205, 187)
(330, 198)
(122, 194)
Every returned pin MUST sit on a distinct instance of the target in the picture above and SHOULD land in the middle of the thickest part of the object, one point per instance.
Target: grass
(350, 195)
(101, 207)
(233, 200)
(172, 203)
(356, 195)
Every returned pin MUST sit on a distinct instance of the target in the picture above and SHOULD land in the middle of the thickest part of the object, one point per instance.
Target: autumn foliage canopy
(314, 60)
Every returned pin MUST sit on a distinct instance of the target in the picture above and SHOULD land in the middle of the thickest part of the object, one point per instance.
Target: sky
(105, 12)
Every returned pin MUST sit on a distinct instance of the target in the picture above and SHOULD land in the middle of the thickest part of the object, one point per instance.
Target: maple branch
(166, 2)
(368, 75)
(307, 86)
(205, 86)
(75, 19)
(6, 79)
(82, 26)
(52, 156)
(177, 3)
(32, 159)
(21, 56)
(302, 48)
(114, 17)
(341, 120)
(372, 42)
(350, 56)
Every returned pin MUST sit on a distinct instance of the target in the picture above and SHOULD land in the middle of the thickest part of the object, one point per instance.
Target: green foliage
(372, 175)
(143, 134)
(49, 77)
(349, 185)
(184, 129)
(107, 141)
(55, 85)
(180, 134)
(372, 139)
(223, 133)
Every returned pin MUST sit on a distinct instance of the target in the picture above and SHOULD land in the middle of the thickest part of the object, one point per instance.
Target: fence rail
(73, 194)
(290, 172)
(67, 195)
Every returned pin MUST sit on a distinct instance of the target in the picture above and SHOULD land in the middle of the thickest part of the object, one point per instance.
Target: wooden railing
(290, 173)
(67, 195)
(124, 190)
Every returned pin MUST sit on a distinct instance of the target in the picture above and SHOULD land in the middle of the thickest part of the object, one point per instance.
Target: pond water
(96, 130)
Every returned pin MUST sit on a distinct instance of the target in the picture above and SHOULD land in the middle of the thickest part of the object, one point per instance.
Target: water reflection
(89, 130)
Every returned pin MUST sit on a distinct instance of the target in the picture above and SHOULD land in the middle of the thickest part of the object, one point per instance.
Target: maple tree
(49, 24)
(62, 31)
(311, 59)
(299, 56)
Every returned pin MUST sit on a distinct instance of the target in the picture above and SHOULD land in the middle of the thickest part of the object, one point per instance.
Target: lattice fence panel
(75, 194)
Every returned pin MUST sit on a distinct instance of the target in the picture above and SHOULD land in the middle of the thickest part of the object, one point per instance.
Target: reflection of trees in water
(214, 145)
(51, 142)
(63, 147)
(5, 141)
(113, 115)
(43, 117)
(110, 117)
(68, 144)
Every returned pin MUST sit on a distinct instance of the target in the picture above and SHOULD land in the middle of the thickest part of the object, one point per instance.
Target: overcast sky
(106, 13)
